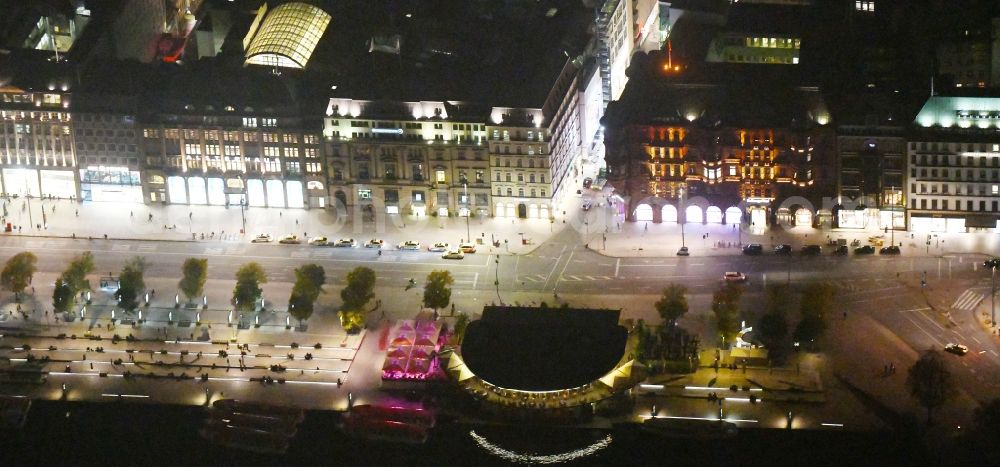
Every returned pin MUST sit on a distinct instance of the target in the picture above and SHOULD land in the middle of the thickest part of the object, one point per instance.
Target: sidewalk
(64, 218)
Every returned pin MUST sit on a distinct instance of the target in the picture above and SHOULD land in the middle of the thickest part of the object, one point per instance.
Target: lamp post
(468, 236)
(680, 210)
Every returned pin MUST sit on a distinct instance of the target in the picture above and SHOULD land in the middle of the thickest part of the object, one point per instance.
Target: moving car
(262, 238)
(992, 263)
(734, 277)
(683, 251)
(319, 241)
(783, 250)
(467, 247)
(957, 349)
(753, 249)
(587, 205)
(290, 240)
(889, 250)
(841, 250)
(346, 243)
(864, 250)
(439, 246)
(374, 243)
(409, 245)
(453, 254)
(811, 250)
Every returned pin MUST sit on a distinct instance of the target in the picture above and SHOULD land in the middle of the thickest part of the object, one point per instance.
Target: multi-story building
(37, 156)
(738, 149)
(107, 148)
(520, 164)
(871, 155)
(419, 158)
(953, 164)
(229, 143)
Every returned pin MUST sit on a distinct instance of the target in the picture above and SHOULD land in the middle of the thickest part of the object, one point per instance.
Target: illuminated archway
(669, 213)
(643, 213)
(693, 214)
(733, 215)
(713, 215)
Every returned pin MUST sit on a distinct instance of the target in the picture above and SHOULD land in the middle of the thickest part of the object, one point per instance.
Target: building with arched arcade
(696, 148)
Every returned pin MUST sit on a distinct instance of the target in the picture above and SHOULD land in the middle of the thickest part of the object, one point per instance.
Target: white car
(346, 243)
(453, 254)
(734, 277)
(290, 240)
(409, 245)
(374, 243)
(262, 238)
(467, 247)
(319, 241)
(440, 246)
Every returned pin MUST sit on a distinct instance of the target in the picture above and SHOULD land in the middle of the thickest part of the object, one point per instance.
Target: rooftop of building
(543, 349)
(718, 95)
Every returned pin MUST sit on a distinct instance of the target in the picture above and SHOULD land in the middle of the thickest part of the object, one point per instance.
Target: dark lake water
(148, 435)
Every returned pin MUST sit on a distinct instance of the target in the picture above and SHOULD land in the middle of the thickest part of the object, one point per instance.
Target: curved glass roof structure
(288, 36)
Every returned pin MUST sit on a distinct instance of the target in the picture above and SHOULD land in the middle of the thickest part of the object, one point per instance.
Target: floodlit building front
(953, 163)
(37, 156)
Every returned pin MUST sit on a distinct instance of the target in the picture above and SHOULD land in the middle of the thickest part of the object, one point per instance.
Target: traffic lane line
(931, 336)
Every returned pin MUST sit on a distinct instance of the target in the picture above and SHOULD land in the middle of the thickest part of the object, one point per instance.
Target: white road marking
(618, 264)
(121, 247)
(994, 352)
(147, 248)
(213, 251)
(977, 340)
(300, 254)
(475, 280)
(967, 301)
(934, 339)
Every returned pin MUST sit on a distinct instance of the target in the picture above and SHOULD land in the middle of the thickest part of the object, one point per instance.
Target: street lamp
(993, 264)
(680, 211)
(468, 212)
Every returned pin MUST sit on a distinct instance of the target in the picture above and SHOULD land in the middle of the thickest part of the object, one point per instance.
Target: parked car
(262, 238)
(409, 245)
(734, 277)
(588, 182)
(864, 250)
(346, 243)
(374, 243)
(467, 247)
(783, 250)
(319, 241)
(290, 240)
(753, 249)
(439, 246)
(889, 250)
(811, 250)
(683, 251)
(957, 349)
(992, 263)
(453, 254)
(841, 250)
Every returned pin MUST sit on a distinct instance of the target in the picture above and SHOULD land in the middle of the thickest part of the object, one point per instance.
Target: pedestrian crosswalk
(967, 301)
(568, 278)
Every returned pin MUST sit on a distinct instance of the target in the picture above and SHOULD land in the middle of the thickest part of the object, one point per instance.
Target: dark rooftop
(543, 349)
(718, 94)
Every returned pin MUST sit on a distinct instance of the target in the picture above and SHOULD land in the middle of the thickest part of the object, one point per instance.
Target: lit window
(439, 176)
(364, 194)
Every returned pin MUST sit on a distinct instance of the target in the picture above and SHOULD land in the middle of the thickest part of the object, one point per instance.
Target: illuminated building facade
(287, 35)
(719, 153)
(520, 164)
(415, 158)
(239, 141)
(953, 165)
(37, 156)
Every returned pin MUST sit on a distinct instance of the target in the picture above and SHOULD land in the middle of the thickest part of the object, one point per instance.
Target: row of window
(520, 192)
(968, 147)
(957, 174)
(945, 189)
(520, 177)
(391, 196)
(957, 161)
(955, 205)
(519, 163)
